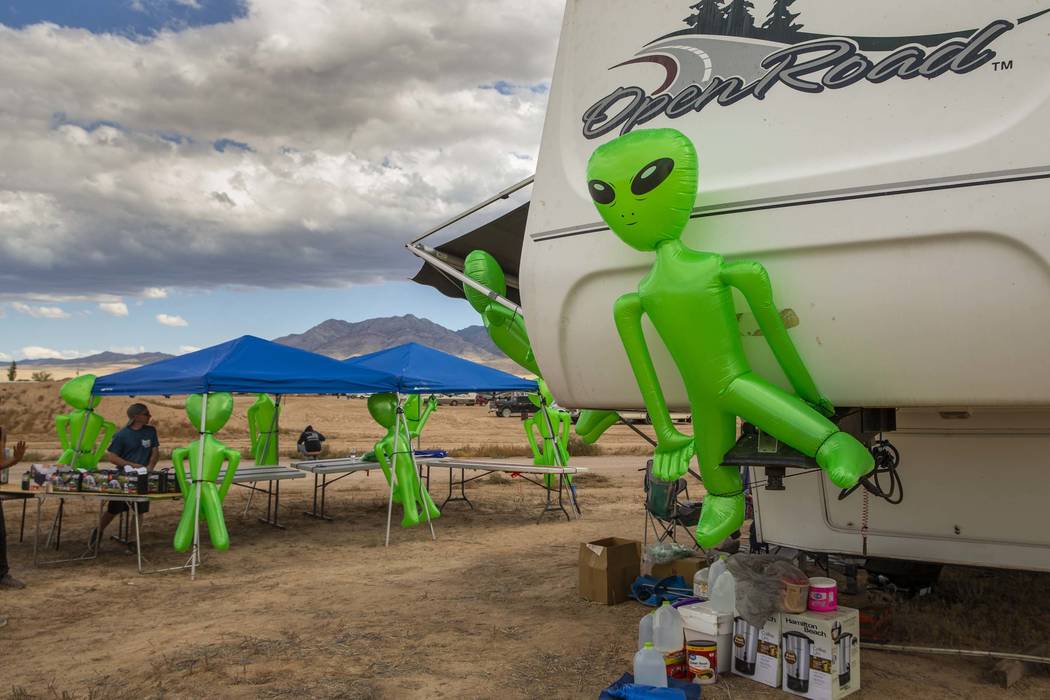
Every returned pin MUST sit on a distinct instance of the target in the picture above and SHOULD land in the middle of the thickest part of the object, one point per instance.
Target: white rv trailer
(889, 165)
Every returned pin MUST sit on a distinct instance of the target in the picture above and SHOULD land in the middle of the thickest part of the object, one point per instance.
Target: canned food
(702, 656)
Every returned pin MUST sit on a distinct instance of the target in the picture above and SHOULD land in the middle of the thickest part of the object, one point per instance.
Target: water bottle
(723, 594)
(668, 629)
(649, 667)
(645, 630)
(717, 569)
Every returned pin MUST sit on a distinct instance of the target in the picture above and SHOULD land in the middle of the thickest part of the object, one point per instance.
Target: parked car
(506, 406)
(454, 400)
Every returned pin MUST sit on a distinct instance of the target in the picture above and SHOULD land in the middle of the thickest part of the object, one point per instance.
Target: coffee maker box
(756, 650)
(821, 653)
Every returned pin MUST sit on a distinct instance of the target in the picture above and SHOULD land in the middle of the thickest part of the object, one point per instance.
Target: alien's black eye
(652, 175)
(601, 192)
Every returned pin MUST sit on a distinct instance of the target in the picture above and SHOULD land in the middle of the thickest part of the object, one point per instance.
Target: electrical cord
(887, 459)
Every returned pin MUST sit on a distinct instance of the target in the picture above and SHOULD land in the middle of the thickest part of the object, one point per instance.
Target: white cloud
(114, 308)
(155, 293)
(166, 320)
(305, 137)
(183, 349)
(4, 357)
(35, 352)
(40, 311)
(128, 349)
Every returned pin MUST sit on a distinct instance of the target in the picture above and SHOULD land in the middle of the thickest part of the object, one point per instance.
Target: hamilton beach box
(822, 653)
(757, 650)
(608, 567)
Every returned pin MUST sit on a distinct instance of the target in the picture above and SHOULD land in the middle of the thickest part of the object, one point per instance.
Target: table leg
(36, 531)
(138, 536)
(22, 528)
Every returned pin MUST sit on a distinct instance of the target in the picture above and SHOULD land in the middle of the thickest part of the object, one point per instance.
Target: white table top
(481, 465)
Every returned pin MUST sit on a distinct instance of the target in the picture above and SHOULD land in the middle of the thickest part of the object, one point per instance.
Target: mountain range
(343, 339)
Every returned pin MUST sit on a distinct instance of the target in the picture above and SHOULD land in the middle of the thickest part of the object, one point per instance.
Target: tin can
(676, 664)
(702, 656)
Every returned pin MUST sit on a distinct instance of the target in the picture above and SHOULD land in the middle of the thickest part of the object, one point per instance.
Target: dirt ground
(322, 610)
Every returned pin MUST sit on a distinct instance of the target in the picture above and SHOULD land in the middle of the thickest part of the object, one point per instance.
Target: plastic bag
(761, 584)
(663, 552)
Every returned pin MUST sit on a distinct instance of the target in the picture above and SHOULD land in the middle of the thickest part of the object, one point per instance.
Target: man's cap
(136, 409)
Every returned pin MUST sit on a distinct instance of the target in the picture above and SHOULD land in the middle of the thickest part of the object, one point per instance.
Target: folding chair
(665, 512)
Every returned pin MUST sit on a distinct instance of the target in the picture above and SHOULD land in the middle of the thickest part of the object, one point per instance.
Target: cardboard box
(685, 567)
(757, 651)
(822, 653)
(608, 567)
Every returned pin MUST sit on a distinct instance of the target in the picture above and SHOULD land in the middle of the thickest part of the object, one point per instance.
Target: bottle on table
(649, 667)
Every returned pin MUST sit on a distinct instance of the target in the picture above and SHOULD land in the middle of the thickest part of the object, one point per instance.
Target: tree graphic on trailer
(708, 17)
(780, 22)
(739, 21)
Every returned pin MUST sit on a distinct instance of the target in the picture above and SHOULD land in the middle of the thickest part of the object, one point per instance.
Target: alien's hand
(672, 456)
(432, 402)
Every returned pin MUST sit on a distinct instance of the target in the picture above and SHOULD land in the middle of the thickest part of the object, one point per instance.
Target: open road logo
(723, 40)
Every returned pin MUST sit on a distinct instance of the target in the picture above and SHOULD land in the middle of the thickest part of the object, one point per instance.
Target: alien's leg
(794, 422)
(404, 473)
(423, 498)
(211, 508)
(723, 509)
(183, 539)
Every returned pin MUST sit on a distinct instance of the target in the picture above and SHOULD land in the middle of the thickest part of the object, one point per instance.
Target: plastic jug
(723, 593)
(701, 589)
(649, 667)
(645, 630)
(668, 629)
(717, 569)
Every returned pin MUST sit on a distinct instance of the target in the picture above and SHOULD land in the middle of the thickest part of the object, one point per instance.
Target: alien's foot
(844, 459)
(410, 520)
(720, 516)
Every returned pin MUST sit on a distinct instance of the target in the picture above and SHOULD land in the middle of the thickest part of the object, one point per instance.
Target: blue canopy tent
(420, 369)
(247, 364)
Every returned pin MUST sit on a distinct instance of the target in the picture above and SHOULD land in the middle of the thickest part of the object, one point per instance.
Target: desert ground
(323, 610)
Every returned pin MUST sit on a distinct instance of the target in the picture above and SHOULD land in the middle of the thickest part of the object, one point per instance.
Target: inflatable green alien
(394, 453)
(644, 187)
(78, 430)
(262, 429)
(507, 330)
(220, 408)
(552, 447)
(417, 412)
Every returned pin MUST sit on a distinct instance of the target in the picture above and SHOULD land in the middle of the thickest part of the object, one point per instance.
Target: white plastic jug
(649, 667)
(723, 593)
(717, 569)
(701, 588)
(645, 630)
(668, 629)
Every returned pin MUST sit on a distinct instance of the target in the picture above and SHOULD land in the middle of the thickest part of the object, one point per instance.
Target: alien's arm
(753, 282)
(253, 429)
(62, 428)
(233, 458)
(431, 406)
(178, 460)
(108, 428)
(530, 426)
(515, 335)
(592, 423)
(628, 315)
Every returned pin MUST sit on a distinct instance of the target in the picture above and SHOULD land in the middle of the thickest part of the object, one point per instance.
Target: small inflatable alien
(220, 408)
(644, 187)
(262, 429)
(393, 453)
(417, 412)
(82, 420)
(507, 331)
(552, 448)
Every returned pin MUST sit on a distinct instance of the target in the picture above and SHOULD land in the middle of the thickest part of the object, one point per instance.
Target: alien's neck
(669, 250)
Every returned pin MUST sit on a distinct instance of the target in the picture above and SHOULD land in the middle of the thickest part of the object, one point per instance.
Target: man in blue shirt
(134, 445)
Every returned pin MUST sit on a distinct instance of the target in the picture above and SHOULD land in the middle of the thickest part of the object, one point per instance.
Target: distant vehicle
(454, 400)
(506, 406)
(643, 417)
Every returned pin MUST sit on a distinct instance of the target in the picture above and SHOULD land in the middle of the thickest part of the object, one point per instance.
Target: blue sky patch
(504, 87)
(135, 19)
(223, 144)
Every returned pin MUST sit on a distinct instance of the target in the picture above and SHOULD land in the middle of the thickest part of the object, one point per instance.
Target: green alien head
(383, 409)
(644, 185)
(483, 268)
(220, 408)
(77, 392)
(544, 391)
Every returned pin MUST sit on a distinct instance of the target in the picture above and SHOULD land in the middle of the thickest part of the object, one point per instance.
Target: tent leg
(196, 556)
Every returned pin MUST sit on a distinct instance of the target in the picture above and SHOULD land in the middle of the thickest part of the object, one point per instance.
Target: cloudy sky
(177, 172)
